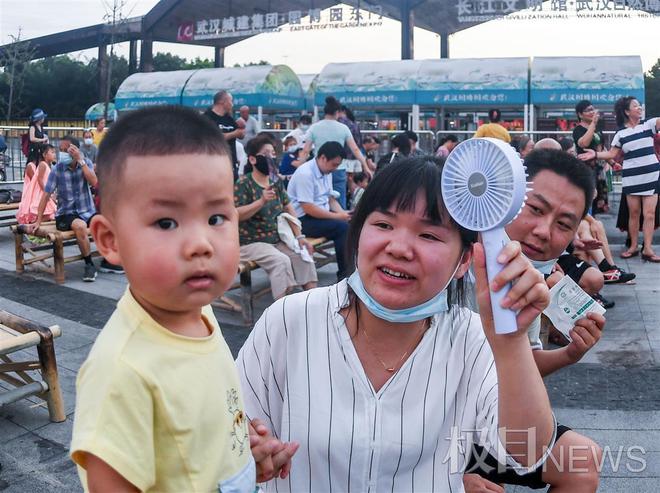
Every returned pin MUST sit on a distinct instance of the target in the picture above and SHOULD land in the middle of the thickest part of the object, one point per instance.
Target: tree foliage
(65, 87)
(652, 92)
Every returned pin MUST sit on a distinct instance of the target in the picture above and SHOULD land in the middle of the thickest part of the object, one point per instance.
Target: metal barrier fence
(15, 161)
(427, 142)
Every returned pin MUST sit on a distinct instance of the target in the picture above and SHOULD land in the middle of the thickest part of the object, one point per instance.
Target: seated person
(88, 147)
(290, 161)
(359, 182)
(260, 201)
(561, 194)
(34, 184)
(72, 178)
(321, 215)
(370, 145)
(591, 245)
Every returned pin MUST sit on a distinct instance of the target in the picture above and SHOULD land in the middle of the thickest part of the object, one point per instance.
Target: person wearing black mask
(260, 198)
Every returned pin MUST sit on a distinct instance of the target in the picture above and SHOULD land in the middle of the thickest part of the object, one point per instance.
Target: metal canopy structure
(163, 21)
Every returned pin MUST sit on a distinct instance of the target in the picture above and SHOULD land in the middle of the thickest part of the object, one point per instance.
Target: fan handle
(493, 241)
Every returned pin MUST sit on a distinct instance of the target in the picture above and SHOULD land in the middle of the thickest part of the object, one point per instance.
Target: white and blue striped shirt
(641, 168)
(301, 375)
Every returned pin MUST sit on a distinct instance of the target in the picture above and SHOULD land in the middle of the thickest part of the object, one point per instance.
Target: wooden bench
(40, 255)
(322, 256)
(16, 333)
(8, 214)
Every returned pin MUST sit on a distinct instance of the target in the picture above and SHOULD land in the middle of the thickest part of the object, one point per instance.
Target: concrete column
(260, 117)
(147, 56)
(219, 56)
(444, 44)
(102, 71)
(132, 56)
(526, 118)
(407, 31)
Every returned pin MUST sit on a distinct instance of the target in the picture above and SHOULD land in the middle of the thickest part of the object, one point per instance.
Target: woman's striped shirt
(641, 168)
(301, 375)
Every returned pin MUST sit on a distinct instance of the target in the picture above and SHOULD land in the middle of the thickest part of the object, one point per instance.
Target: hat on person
(37, 114)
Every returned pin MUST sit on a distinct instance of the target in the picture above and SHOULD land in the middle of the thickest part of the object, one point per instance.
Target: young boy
(159, 407)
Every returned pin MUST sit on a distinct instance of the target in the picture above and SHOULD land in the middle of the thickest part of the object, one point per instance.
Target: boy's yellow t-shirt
(165, 411)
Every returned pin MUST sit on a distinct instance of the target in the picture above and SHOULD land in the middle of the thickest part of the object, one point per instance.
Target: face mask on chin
(435, 305)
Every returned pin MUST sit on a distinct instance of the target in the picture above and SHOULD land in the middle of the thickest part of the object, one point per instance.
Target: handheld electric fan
(483, 188)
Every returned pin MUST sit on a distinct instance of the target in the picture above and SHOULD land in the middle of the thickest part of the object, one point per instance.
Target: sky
(309, 52)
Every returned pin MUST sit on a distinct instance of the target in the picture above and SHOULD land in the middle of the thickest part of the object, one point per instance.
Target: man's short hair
(581, 106)
(494, 115)
(411, 135)
(306, 119)
(563, 164)
(154, 131)
(73, 139)
(220, 96)
(332, 150)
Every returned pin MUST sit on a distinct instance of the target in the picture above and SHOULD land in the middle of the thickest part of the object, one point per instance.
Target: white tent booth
(268, 90)
(472, 86)
(559, 83)
(372, 88)
(427, 88)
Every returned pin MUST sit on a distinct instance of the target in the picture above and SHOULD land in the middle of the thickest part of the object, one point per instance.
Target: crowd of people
(393, 378)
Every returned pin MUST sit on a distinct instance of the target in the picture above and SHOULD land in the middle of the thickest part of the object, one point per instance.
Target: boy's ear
(466, 260)
(104, 236)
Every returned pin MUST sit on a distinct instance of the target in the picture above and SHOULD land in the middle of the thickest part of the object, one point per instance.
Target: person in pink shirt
(36, 175)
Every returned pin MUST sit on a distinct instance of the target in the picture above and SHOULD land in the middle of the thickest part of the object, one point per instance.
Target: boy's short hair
(566, 165)
(154, 131)
(358, 177)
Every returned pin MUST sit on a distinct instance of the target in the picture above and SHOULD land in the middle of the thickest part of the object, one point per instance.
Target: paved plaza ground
(612, 395)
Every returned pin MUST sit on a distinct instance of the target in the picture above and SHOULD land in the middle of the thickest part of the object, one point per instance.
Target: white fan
(483, 188)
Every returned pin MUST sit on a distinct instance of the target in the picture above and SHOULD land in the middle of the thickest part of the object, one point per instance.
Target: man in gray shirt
(251, 125)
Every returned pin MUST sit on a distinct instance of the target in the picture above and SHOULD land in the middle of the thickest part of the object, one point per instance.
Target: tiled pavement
(611, 396)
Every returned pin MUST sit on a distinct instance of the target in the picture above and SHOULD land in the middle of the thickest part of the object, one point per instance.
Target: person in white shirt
(251, 125)
(314, 201)
(384, 379)
(300, 131)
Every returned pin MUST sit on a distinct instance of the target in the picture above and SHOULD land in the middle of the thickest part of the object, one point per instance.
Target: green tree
(200, 63)
(164, 62)
(652, 90)
(252, 64)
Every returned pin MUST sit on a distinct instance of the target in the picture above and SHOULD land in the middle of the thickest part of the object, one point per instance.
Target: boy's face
(551, 215)
(176, 232)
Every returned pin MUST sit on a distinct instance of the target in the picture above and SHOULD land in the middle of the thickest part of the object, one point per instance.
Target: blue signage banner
(369, 98)
(567, 95)
(472, 97)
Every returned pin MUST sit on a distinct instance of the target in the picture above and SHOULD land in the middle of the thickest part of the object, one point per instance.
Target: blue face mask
(544, 266)
(435, 305)
(65, 158)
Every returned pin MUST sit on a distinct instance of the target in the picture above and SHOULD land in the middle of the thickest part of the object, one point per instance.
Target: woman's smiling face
(404, 258)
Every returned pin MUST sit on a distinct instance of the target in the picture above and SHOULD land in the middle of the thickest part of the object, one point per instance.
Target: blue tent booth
(266, 88)
(559, 83)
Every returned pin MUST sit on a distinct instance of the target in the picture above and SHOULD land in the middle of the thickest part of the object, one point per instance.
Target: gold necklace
(393, 368)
